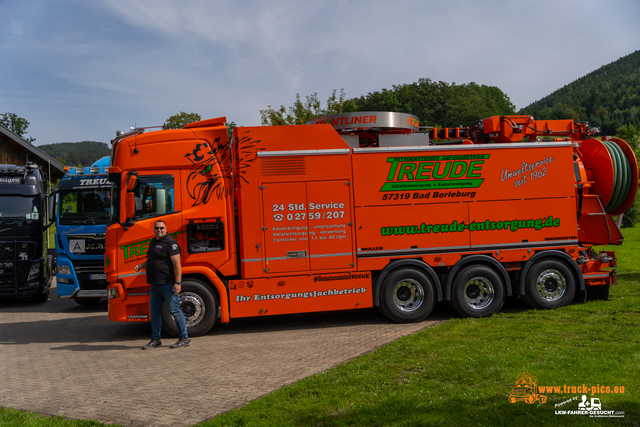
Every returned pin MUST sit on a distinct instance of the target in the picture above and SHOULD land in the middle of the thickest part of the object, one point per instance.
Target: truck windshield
(89, 206)
(19, 207)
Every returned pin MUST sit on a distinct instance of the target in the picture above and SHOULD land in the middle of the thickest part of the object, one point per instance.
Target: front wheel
(44, 297)
(407, 296)
(549, 284)
(199, 306)
(477, 291)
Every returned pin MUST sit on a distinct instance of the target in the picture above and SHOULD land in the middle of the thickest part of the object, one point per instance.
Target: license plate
(98, 277)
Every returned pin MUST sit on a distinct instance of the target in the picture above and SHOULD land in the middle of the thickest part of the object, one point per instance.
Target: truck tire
(407, 295)
(43, 297)
(199, 306)
(549, 284)
(477, 291)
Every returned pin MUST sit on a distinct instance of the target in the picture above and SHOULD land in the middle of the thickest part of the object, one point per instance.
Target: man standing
(164, 275)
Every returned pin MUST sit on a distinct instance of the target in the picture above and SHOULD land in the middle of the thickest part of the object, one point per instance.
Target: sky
(80, 70)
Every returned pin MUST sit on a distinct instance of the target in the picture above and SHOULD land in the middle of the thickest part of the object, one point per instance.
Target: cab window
(154, 195)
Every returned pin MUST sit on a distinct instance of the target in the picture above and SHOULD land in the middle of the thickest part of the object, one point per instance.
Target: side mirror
(131, 182)
(52, 203)
(130, 205)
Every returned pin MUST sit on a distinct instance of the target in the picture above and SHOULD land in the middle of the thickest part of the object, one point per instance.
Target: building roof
(54, 168)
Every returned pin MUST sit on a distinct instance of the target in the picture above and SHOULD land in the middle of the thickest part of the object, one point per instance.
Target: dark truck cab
(25, 267)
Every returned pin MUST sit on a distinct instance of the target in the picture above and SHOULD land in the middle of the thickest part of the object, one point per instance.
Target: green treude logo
(140, 248)
(458, 227)
(434, 172)
(135, 249)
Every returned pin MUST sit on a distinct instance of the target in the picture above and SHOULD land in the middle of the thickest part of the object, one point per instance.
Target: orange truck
(364, 209)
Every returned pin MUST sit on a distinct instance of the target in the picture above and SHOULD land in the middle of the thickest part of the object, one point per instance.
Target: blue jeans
(159, 294)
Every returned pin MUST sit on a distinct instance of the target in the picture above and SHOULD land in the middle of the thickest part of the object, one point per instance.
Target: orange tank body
(295, 219)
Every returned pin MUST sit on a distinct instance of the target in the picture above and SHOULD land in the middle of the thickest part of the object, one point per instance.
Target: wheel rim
(408, 295)
(551, 285)
(479, 293)
(193, 308)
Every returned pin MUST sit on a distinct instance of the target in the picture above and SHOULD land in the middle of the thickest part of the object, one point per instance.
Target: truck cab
(80, 208)
(25, 268)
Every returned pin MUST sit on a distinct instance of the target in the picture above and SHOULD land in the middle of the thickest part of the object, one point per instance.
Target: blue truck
(81, 206)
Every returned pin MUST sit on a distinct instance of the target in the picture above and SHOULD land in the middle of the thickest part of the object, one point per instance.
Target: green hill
(77, 153)
(608, 96)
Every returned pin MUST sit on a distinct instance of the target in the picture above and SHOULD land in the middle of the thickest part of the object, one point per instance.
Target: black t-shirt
(159, 265)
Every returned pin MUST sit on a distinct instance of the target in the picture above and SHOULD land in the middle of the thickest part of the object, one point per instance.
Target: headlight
(63, 269)
(35, 271)
(62, 280)
(112, 293)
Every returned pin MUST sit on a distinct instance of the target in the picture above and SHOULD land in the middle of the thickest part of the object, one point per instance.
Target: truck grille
(83, 271)
(15, 261)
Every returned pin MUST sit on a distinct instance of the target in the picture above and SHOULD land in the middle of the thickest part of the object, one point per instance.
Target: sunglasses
(159, 228)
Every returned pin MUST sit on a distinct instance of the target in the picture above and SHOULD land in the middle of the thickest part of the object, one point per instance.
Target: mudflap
(598, 293)
(581, 296)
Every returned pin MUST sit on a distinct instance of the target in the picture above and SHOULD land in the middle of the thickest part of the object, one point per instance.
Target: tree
(178, 121)
(631, 216)
(76, 153)
(437, 103)
(630, 134)
(230, 127)
(16, 124)
(301, 112)
(607, 97)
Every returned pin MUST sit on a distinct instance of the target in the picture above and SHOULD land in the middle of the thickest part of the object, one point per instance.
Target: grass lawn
(461, 372)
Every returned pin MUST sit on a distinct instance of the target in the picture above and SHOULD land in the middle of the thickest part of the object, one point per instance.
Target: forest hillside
(76, 153)
(608, 96)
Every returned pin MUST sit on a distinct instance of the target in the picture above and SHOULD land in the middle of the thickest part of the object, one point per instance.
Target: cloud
(80, 70)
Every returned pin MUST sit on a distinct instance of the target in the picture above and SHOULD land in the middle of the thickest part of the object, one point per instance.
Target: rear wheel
(199, 306)
(407, 296)
(549, 284)
(477, 291)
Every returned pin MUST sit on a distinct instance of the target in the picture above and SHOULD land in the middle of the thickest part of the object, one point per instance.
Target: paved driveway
(59, 358)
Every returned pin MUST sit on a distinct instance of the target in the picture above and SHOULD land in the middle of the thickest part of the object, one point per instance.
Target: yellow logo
(526, 390)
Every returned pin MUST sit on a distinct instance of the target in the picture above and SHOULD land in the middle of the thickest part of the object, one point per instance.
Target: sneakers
(182, 342)
(152, 344)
